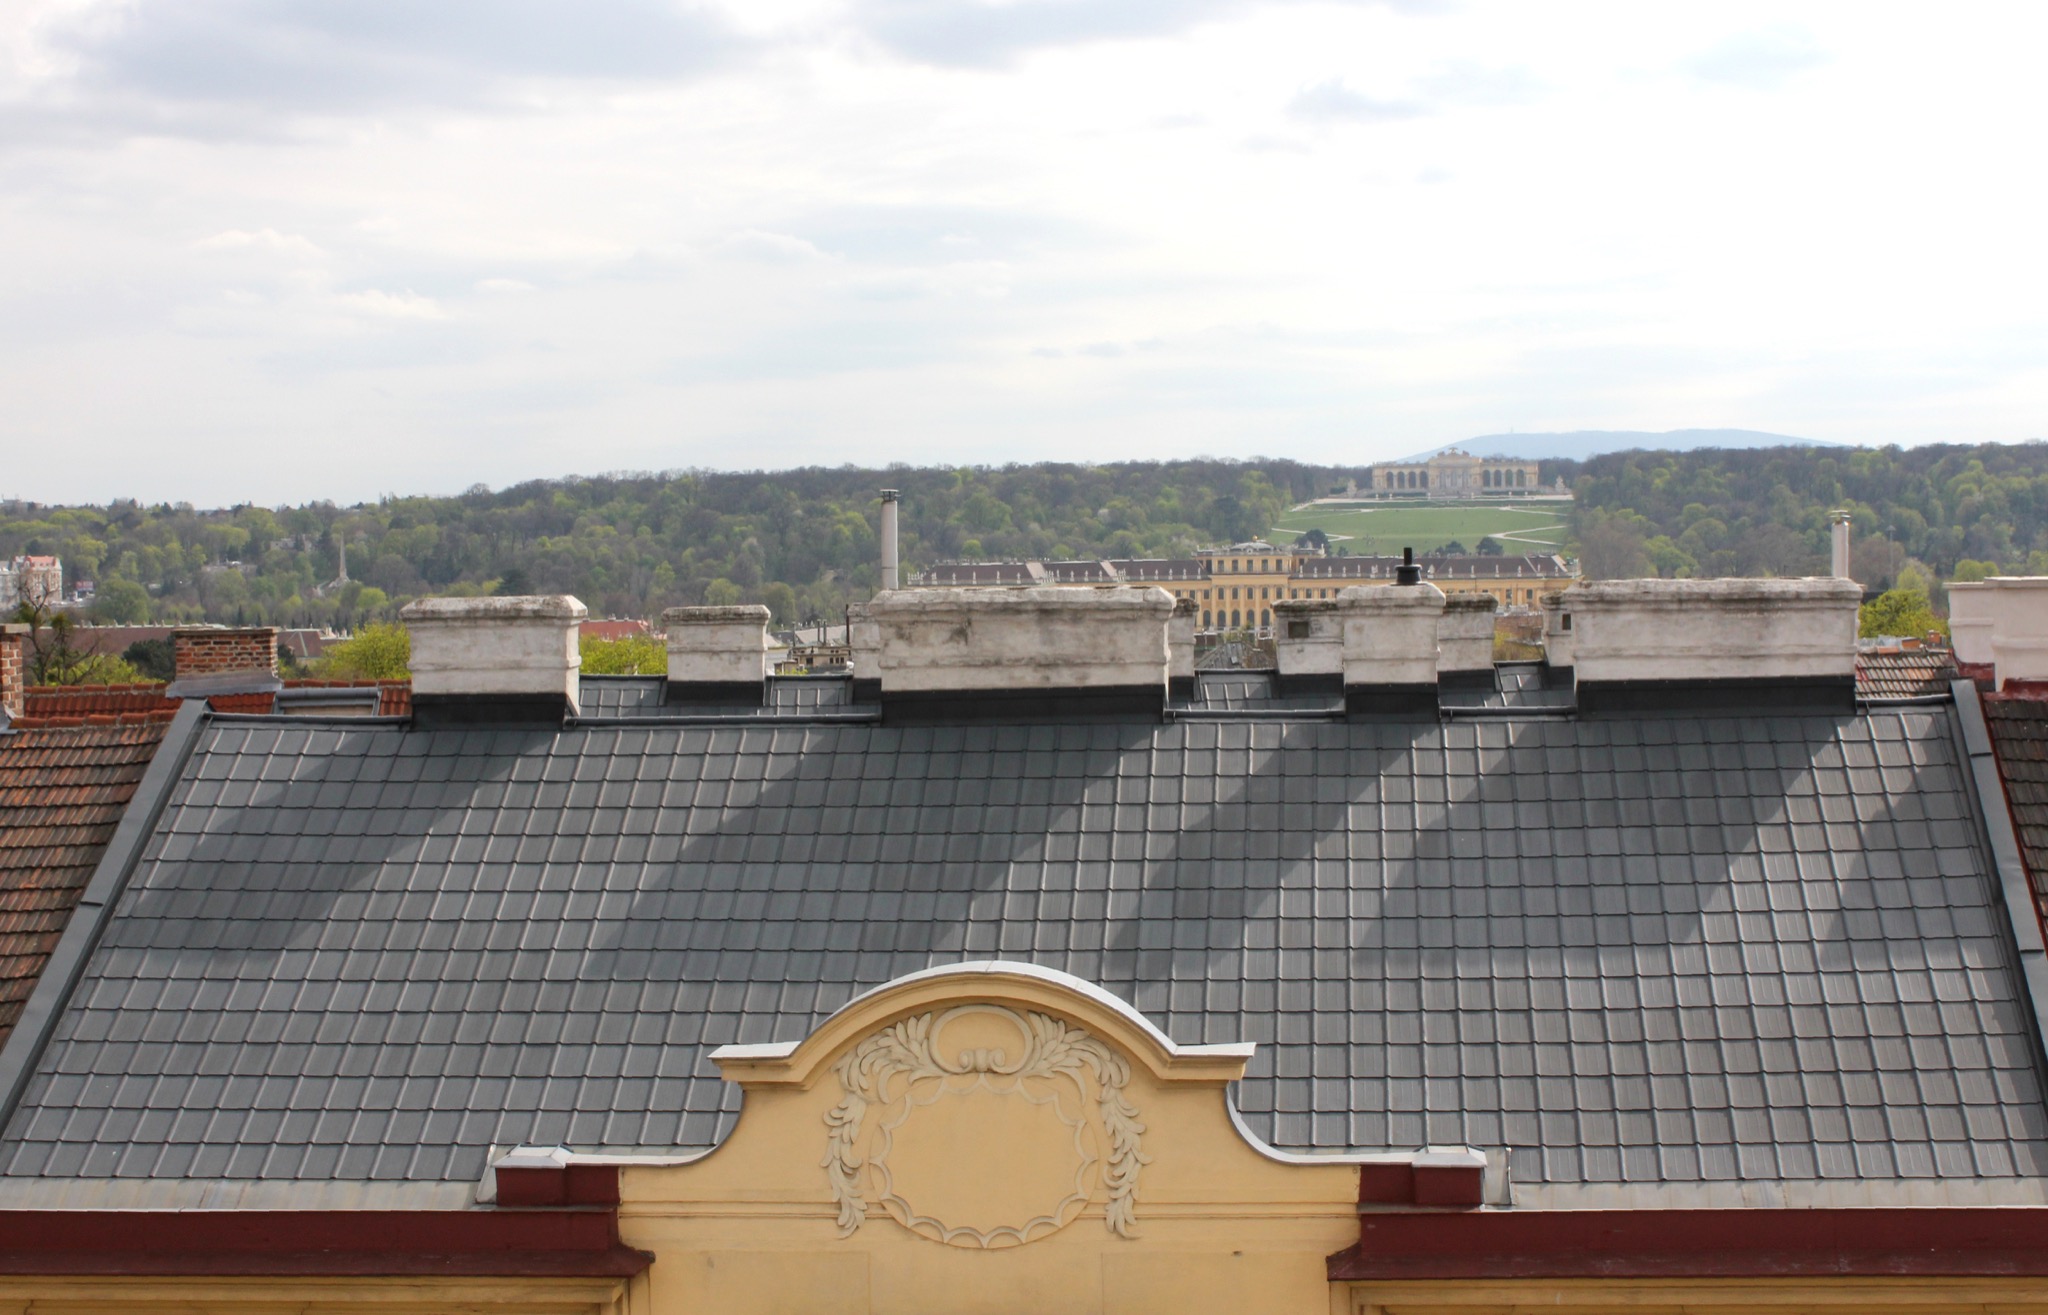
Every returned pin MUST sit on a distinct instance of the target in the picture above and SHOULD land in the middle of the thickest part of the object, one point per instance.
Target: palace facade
(1457, 474)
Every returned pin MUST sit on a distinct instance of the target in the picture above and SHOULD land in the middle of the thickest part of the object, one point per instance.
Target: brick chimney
(210, 660)
(1649, 645)
(1036, 653)
(13, 670)
(209, 651)
(717, 654)
(498, 660)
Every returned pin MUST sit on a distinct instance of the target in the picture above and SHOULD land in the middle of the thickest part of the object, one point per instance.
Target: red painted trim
(468, 1243)
(569, 1184)
(1697, 1244)
(1442, 1185)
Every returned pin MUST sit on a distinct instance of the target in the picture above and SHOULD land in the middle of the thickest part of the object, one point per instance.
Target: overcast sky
(275, 250)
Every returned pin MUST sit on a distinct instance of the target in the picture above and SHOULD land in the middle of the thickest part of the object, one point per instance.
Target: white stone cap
(738, 614)
(1062, 599)
(1424, 597)
(498, 607)
(1676, 595)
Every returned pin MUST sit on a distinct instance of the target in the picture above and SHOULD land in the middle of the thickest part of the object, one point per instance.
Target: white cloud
(262, 239)
(794, 230)
(405, 305)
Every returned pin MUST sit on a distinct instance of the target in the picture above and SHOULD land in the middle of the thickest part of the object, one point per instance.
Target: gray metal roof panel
(1527, 934)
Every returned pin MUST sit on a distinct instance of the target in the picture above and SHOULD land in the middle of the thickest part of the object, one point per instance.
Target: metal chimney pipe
(1840, 533)
(890, 570)
(1407, 572)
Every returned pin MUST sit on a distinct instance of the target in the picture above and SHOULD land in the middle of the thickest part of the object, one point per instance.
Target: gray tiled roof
(1252, 691)
(641, 696)
(1668, 950)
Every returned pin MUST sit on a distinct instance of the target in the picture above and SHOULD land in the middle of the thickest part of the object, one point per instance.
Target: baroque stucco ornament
(972, 1147)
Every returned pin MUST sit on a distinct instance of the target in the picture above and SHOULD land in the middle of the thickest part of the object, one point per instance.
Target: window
(1207, 624)
(1266, 619)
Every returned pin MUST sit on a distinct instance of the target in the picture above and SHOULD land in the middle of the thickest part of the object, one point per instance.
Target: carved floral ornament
(982, 1126)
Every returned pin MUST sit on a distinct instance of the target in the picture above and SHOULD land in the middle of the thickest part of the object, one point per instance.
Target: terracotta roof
(2019, 739)
(61, 795)
(108, 705)
(1903, 673)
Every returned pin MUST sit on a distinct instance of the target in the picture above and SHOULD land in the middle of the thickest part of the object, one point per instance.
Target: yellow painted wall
(754, 1226)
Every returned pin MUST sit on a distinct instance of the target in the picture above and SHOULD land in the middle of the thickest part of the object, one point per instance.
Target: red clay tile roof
(61, 795)
(1895, 673)
(107, 705)
(2019, 740)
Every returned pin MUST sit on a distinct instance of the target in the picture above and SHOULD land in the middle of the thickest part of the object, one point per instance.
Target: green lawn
(1362, 530)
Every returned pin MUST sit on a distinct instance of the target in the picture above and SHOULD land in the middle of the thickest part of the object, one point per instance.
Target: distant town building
(1235, 587)
(1457, 474)
(31, 579)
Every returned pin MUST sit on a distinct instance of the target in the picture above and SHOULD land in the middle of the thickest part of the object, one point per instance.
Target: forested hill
(804, 541)
(1944, 511)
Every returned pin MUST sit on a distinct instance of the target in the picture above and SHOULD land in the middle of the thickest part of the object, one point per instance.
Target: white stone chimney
(1838, 540)
(1308, 646)
(1642, 645)
(483, 660)
(1464, 639)
(864, 639)
(2019, 635)
(891, 565)
(1972, 610)
(1557, 630)
(1390, 652)
(717, 654)
(1180, 648)
(1043, 652)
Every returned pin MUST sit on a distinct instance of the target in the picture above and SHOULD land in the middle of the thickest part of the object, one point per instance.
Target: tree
(1901, 613)
(1452, 549)
(781, 601)
(722, 593)
(515, 582)
(376, 652)
(120, 603)
(1491, 547)
(634, 655)
(1611, 548)
(156, 659)
(1313, 539)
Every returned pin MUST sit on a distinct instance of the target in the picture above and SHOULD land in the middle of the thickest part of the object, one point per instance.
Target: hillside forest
(804, 541)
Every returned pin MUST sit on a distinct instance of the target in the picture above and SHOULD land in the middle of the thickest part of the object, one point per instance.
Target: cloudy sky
(286, 249)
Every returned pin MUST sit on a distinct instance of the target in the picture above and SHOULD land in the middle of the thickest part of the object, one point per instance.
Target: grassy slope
(1361, 530)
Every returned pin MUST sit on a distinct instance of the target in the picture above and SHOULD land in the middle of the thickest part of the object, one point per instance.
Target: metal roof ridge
(1986, 790)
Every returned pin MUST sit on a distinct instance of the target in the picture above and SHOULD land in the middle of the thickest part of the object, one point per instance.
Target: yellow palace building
(1236, 587)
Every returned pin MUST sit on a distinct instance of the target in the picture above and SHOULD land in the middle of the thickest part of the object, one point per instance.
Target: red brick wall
(13, 671)
(206, 652)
